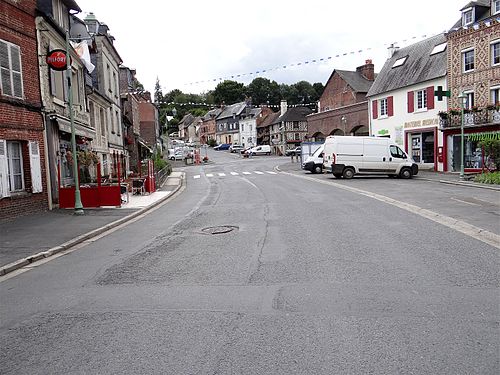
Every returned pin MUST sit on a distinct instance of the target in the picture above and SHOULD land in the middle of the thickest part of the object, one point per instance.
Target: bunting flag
(217, 106)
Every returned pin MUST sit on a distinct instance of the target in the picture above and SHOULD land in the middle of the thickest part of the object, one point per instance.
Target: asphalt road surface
(255, 271)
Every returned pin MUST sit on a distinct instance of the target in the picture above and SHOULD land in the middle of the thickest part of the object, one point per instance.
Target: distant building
(289, 129)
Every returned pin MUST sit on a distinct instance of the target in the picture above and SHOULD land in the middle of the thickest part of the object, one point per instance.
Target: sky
(191, 45)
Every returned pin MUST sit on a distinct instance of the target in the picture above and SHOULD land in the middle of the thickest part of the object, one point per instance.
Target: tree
(229, 92)
(158, 96)
(264, 91)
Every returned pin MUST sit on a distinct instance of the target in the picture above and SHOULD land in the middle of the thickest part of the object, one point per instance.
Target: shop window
(473, 156)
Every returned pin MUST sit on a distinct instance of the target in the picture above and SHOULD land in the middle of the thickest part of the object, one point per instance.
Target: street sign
(56, 59)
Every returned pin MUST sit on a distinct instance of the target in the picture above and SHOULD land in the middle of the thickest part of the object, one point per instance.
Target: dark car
(222, 146)
(293, 151)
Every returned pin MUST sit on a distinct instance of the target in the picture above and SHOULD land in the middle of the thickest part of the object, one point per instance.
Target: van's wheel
(337, 175)
(405, 173)
(348, 173)
(318, 169)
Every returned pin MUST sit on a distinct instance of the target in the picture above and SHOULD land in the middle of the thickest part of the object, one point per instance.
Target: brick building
(473, 67)
(23, 186)
(343, 107)
(149, 124)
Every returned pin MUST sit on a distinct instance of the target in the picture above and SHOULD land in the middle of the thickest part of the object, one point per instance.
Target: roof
(186, 121)
(420, 66)
(228, 111)
(481, 3)
(355, 79)
(211, 114)
(269, 119)
(294, 114)
(480, 14)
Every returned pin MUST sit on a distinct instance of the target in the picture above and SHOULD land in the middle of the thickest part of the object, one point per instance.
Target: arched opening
(360, 131)
(318, 137)
(337, 132)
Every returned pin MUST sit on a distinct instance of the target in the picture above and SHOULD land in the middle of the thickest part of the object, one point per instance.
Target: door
(396, 157)
(375, 156)
(416, 147)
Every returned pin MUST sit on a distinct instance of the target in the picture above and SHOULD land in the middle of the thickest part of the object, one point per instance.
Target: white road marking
(222, 174)
(197, 176)
(210, 175)
(246, 173)
(271, 172)
(257, 172)
(461, 201)
(234, 173)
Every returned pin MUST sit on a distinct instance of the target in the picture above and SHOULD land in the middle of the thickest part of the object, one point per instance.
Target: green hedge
(488, 178)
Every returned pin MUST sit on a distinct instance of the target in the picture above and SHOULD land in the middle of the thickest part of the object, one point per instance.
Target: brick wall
(21, 119)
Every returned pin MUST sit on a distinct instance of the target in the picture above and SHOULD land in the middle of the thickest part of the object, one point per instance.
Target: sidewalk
(33, 237)
(440, 177)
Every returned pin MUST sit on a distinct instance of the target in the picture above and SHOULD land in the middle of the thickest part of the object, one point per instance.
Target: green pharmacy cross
(440, 93)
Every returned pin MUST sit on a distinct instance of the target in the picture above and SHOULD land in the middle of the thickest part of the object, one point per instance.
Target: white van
(346, 156)
(259, 150)
(314, 162)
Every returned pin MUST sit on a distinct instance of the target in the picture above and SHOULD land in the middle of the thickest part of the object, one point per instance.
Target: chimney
(367, 70)
(283, 107)
(392, 49)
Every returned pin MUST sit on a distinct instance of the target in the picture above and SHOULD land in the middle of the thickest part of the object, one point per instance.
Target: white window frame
(10, 70)
(495, 6)
(495, 95)
(421, 100)
(470, 99)
(9, 163)
(493, 44)
(465, 13)
(383, 107)
(464, 53)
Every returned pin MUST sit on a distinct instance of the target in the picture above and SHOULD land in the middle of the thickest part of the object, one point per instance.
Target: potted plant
(443, 115)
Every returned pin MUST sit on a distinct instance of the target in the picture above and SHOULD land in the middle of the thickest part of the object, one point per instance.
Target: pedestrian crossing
(221, 174)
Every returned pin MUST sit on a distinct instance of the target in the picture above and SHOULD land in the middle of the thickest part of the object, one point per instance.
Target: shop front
(422, 143)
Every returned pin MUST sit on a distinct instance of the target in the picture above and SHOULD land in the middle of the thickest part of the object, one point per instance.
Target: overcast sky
(189, 43)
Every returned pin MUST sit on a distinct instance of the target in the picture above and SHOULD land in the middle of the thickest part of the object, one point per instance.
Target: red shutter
(430, 97)
(374, 109)
(390, 106)
(411, 101)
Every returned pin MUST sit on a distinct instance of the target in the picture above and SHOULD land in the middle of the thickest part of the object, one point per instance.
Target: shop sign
(422, 123)
(56, 59)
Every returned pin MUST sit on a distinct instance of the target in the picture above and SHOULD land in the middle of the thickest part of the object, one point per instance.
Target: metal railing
(453, 119)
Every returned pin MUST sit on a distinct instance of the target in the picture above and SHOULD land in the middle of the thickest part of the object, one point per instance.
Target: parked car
(222, 146)
(259, 150)
(346, 156)
(293, 151)
(177, 155)
(314, 162)
(235, 148)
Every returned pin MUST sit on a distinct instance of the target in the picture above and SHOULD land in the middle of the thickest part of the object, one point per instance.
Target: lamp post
(462, 98)
(344, 120)
(78, 201)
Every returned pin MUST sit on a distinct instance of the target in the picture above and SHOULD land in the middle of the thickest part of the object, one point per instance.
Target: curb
(77, 240)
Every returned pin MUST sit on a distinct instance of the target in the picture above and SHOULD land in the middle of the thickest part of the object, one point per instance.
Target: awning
(145, 145)
(82, 131)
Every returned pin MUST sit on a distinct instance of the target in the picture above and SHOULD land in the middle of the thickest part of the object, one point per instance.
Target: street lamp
(344, 120)
(79, 31)
(462, 97)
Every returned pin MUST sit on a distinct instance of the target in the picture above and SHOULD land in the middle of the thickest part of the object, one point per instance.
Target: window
(495, 53)
(495, 95)
(421, 99)
(15, 166)
(396, 152)
(11, 78)
(383, 107)
(468, 60)
(117, 122)
(399, 62)
(495, 6)
(469, 101)
(467, 16)
(439, 48)
(242, 127)
(102, 120)
(92, 115)
(297, 136)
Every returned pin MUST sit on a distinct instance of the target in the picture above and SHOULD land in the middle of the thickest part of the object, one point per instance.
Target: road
(252, 270)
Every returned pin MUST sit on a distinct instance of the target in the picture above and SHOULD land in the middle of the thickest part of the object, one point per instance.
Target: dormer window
(495, 6)
(467, 16)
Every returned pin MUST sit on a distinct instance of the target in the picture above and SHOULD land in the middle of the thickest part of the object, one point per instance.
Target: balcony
(480, 116)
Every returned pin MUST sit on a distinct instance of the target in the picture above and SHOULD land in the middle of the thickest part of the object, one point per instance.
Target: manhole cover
(219, 229)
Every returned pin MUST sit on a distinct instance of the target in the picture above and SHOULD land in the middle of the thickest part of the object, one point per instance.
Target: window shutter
(4, 178)
(430, 97)
(6, 84)
(390, 106)
(36, 170)
(17, 78)
(374, 109)
(411, 102)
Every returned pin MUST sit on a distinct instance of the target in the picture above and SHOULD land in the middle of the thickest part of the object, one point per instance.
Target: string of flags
(259, 72)
(210, 105)
(302, 63)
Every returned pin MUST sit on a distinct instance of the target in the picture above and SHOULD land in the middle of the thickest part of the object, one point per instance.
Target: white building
(403, 105)
(248, 126)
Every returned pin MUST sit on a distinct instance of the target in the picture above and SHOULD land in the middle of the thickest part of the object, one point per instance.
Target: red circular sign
(56, 59)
